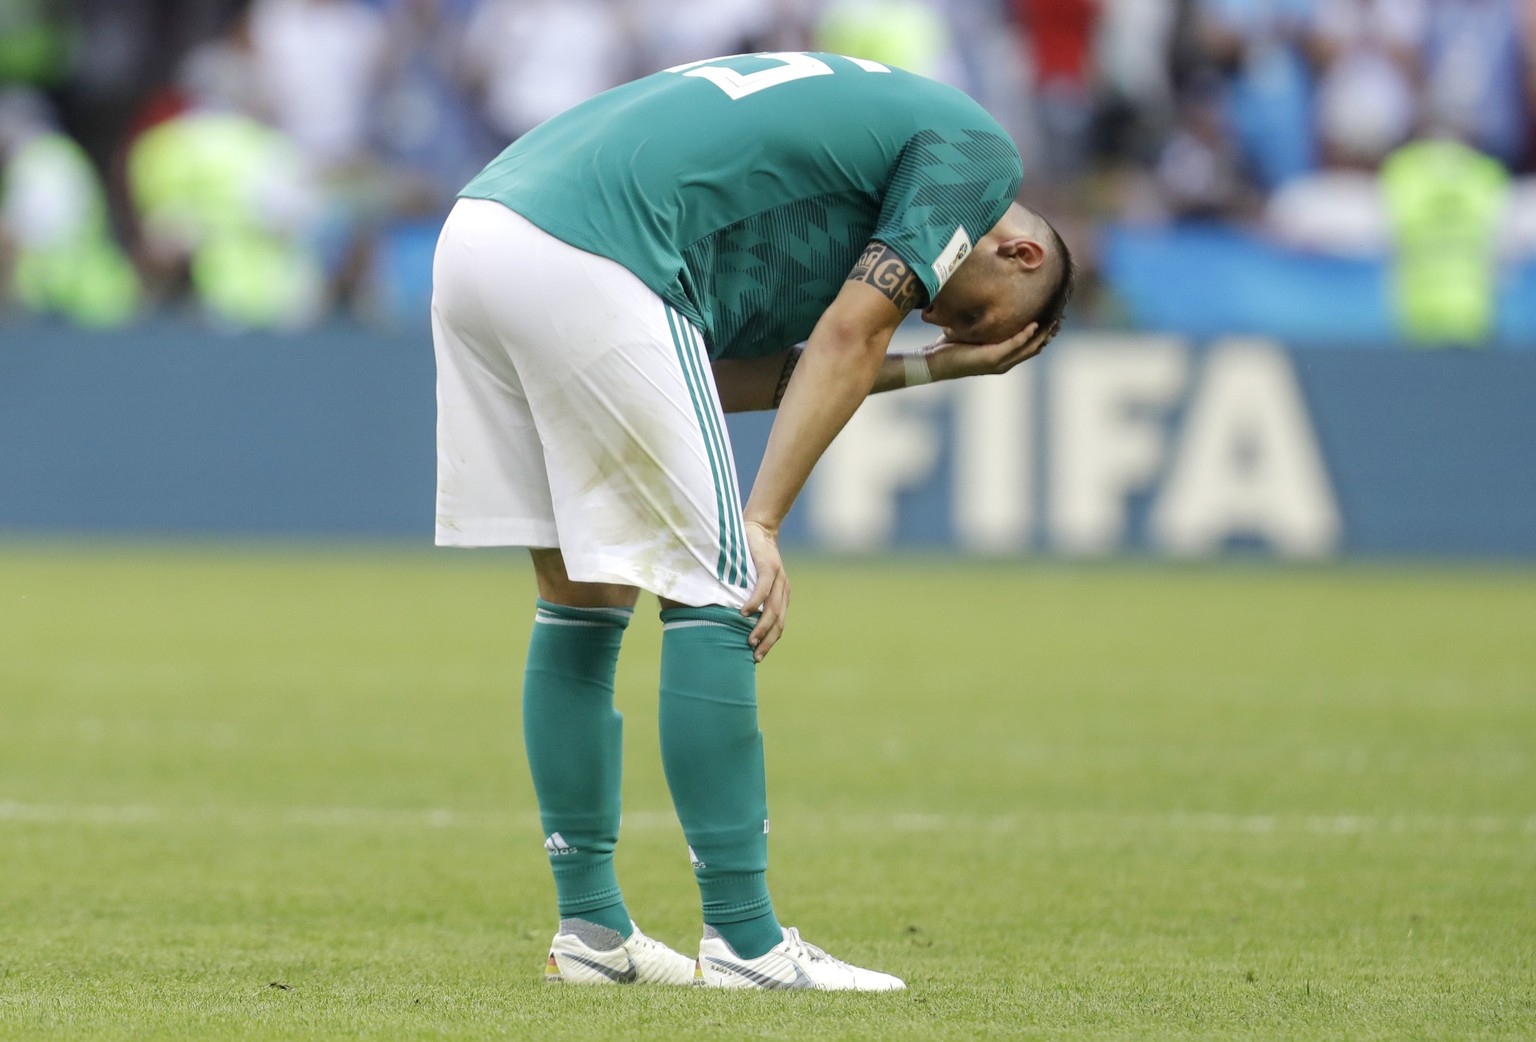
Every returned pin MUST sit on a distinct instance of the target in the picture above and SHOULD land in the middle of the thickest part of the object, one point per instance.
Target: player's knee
(557, 587)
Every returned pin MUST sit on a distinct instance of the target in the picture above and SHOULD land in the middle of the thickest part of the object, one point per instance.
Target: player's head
(1019, 272)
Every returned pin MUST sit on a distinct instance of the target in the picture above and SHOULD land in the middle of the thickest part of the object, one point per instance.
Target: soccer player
(603, 291)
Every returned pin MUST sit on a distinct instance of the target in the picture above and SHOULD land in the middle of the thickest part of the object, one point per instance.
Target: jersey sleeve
(947, 189)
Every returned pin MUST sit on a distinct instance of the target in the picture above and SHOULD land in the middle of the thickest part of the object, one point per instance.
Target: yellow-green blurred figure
(230, 197)
(53, 217)
(1444, 202)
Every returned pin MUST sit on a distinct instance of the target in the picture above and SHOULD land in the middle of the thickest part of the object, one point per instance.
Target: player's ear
(1022, 250)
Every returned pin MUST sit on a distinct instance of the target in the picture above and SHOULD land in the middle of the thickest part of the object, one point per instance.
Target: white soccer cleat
(586, 953)
(792, 963)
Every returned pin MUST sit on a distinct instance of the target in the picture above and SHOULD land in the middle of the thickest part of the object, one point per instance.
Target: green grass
(1108, 802)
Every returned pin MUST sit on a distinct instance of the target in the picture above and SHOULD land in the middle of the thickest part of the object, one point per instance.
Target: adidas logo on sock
(693, 859)
(556, 844)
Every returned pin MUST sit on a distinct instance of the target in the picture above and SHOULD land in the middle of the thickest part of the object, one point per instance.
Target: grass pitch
(280, 795)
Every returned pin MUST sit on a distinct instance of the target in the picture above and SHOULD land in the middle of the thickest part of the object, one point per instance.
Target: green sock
(713, 755)
(575, 747)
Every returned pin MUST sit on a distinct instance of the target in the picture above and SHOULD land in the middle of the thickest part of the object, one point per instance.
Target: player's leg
(493, 490)
(645, 494)
(712, 748)
(575, 737)
(712, 751)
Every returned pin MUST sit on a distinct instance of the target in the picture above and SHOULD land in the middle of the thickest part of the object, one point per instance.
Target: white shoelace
(799, 945)
(645, 942)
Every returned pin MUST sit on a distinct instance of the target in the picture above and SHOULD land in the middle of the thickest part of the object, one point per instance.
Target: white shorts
(575, 409)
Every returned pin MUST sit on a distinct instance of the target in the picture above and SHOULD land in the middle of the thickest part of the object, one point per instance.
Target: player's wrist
(930, 364)
(915, 369)
(768, 528)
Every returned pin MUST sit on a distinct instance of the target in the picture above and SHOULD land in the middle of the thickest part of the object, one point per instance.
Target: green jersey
(742, 190)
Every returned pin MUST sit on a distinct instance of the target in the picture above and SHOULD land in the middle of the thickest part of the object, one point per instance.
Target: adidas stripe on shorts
(575, 409)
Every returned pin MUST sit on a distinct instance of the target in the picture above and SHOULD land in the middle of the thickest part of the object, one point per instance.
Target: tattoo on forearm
(790, 361)
(883, 268)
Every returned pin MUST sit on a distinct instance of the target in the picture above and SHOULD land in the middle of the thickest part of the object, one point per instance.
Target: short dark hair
(1055, 307)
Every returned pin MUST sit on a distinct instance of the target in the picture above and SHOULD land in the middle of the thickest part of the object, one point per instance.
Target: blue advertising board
(1109, 443)
(1116, 443)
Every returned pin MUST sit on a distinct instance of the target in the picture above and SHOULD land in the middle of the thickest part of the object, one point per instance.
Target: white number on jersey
(797, 66)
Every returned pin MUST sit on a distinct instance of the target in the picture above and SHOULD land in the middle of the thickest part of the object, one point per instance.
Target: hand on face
(952, 359)
(1003, 281)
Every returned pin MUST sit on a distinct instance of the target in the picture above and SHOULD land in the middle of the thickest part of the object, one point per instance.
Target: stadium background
(231, 207)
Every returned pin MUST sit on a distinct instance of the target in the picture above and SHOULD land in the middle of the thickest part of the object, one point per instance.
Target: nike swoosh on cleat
(763, 980)
(625, 976)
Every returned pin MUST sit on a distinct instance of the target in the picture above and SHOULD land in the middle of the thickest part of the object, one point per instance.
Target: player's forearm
(833, 376)
(756, 384)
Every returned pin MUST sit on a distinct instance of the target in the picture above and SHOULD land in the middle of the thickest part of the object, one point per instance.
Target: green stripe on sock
(616, 616)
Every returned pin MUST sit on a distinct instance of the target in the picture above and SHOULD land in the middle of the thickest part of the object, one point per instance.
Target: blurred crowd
(246, 158)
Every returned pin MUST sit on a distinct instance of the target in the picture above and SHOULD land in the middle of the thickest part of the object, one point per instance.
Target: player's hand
(771, 594)
(951, 360)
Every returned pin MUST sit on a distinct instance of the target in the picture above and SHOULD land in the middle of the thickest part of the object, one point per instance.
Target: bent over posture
(604, 291)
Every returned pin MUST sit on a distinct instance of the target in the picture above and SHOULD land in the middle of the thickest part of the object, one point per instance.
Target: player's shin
(712, 751)
(574, 738)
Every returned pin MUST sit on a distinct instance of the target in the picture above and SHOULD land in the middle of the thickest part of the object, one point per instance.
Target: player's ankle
(751, 938)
